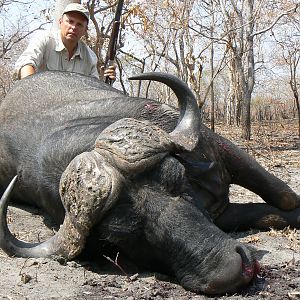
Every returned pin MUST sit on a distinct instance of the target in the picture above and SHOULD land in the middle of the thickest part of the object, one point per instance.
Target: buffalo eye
(171, 175)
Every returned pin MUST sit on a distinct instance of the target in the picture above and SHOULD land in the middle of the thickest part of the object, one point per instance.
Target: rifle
(112, 46)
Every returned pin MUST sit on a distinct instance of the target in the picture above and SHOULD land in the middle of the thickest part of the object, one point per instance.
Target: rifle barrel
(112, 46)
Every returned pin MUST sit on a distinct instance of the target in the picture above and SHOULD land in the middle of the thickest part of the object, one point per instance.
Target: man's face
(73, 26)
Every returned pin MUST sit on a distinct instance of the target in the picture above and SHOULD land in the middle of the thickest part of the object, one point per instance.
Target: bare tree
(242, 24)
(14, 31)
(290, 52)
(168, 44)
(13, 39)
(292, 59)
(212, 94)
(102, 16)
(6, 3)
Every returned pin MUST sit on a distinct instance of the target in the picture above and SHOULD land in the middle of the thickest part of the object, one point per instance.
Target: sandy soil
(274, 145)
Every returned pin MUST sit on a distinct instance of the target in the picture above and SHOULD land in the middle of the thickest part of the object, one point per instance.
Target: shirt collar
(60, 46)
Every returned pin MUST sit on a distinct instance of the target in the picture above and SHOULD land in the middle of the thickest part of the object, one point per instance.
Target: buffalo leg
(245, 171)
(245, 216)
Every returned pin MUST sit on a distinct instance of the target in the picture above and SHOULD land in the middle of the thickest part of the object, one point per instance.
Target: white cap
(77, 8)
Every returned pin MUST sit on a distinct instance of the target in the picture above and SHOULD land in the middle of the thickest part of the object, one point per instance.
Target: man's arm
(26, 71)
(31, 59)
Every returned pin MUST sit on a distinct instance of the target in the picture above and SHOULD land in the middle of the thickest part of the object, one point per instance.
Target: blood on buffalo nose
(251, 270)
(250, 266)
(238, 270)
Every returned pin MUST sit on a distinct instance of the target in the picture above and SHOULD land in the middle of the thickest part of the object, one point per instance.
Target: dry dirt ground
(275, 145)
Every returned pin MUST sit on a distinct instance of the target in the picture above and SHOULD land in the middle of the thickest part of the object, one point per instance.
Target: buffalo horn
(50, 248)
(186, 133)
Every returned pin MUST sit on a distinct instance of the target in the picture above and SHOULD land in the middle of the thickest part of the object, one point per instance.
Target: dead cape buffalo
(136, 174)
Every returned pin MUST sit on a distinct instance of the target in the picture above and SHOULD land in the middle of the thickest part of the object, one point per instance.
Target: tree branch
(291, 10)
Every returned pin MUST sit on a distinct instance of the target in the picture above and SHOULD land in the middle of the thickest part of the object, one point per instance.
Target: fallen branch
(115, 262)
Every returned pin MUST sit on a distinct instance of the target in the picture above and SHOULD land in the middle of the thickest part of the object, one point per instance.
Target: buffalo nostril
(250, 266)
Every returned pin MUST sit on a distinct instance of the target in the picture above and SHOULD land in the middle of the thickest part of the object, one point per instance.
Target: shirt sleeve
(33, 55)
(94, 72)
(93, 62)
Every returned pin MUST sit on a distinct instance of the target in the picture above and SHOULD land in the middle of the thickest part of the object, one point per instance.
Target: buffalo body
(164, 215)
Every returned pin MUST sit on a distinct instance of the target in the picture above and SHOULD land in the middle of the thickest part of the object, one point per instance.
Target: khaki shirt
(48, 52)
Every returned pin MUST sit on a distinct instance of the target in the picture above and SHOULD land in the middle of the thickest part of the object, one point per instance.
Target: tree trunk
(240, 43)
(294, 62)
(298, 108)
(246, 117)
(212, 94)
(293, 85)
